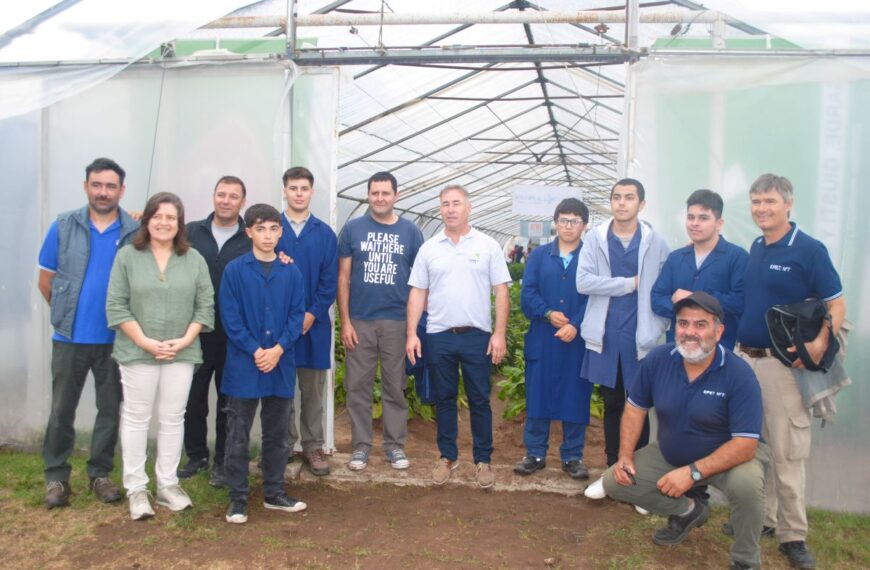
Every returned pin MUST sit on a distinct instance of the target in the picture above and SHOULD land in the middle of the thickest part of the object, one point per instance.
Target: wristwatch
(696, 473)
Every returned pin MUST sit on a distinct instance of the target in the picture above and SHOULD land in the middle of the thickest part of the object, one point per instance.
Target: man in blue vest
(710, 264)
(554, 348)
(74, 265)
(785, 266)
(313, 246)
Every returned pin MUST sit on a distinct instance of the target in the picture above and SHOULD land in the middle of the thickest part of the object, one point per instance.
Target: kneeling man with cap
(708, 405)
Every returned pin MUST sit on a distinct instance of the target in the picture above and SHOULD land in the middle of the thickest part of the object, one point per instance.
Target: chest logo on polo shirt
(714, 393)
(474, 257)
(783, 268)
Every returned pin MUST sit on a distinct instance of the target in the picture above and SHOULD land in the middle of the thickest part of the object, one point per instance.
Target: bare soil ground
(366, 524)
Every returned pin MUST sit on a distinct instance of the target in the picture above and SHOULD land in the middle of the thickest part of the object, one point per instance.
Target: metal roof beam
(461, 54)
(432, 126)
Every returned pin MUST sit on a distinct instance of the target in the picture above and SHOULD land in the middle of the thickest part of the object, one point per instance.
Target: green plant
(516, 270)
(416, 408)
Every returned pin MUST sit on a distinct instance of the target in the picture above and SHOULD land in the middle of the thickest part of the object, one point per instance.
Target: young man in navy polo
(74, 265)
(785, 266)
(262, 307)
(710, 264)
(708, 405)
(312, 245)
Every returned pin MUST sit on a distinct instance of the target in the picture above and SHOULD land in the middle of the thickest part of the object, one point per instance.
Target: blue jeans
(537, 434)
(274, 422)
(448, 352)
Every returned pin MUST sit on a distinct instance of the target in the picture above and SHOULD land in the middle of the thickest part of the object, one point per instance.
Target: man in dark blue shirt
(708, 405)
(708, 264)
(376, 252)
(785, 266)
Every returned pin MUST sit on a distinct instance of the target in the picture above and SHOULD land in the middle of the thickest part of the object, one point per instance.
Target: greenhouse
(522, 103)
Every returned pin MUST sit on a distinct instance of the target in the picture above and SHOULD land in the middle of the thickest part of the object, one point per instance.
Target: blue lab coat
(315, 253)
(554, 388)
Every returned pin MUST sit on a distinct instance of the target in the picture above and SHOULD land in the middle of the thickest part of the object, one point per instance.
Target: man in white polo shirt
(453, 275)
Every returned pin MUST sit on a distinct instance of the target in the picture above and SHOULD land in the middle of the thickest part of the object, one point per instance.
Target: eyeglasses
(569, 222)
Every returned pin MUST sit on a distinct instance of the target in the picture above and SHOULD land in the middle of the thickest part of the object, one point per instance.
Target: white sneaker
(595, 490)
(174, 498)
(140, 506)
(641, 510)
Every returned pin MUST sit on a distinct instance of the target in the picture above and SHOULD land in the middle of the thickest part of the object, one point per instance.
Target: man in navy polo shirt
(785, 266)
(708, 405)
(74, 265)
(710, 264)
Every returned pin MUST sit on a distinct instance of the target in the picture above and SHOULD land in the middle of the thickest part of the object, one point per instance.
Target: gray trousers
(384, 340)
(742, 485)
(310, 383)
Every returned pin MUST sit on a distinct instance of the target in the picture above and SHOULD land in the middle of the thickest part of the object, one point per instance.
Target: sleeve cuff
(636, 405)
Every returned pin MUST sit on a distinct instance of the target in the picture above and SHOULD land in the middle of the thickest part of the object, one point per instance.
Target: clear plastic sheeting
(175, 130)
(720, 122)
(85, 31)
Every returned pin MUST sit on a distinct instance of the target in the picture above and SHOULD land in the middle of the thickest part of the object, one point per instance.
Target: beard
(697, 353)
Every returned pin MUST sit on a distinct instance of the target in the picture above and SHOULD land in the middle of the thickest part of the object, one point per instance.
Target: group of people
(157, 308)
(729, 413)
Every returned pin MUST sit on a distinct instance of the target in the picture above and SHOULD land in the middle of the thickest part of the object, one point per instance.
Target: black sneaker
(766, 531)
(57, 494)
(284, 503)
(739, 566)
(217, 477)
(679, 526)
(529, 465)
(192, 467)
(575, 469)
(238, 512)
(798, 555)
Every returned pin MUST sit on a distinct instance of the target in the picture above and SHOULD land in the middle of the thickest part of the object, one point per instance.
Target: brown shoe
(444, 470)
(105, 490)
(57, 494)
(317, 463)
(485, 476)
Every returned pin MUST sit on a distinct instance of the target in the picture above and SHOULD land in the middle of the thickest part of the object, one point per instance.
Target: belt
(461, 330)
(754, 352)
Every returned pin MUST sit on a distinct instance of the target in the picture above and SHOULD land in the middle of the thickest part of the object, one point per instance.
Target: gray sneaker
(398, 459)
(359, 460)
(105, 490)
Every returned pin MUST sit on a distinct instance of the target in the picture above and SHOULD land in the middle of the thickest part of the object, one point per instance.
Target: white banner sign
(541, 200)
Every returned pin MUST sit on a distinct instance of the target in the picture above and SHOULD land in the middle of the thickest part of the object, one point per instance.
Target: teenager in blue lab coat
(262, 307)
(709, 264)
(554, 348)
(314, 248)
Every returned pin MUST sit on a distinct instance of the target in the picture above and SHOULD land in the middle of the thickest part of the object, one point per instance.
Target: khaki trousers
(743, 486)
(787, 433)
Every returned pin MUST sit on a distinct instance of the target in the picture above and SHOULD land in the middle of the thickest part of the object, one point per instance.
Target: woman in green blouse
(160, 298)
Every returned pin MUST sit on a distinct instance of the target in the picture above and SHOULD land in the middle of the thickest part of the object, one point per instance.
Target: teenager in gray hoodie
(617, 267)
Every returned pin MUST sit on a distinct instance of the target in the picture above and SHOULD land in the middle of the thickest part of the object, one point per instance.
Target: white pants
(145, 385)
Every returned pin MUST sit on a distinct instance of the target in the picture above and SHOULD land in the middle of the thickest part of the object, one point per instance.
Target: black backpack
(796, 324)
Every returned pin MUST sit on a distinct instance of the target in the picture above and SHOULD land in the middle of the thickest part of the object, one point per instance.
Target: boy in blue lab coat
(262, 305)
(554, 348)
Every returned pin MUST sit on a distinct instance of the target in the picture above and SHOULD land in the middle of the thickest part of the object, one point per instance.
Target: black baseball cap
(703, 300)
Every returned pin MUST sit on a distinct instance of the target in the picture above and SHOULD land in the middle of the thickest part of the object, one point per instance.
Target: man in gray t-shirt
(376, 252)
